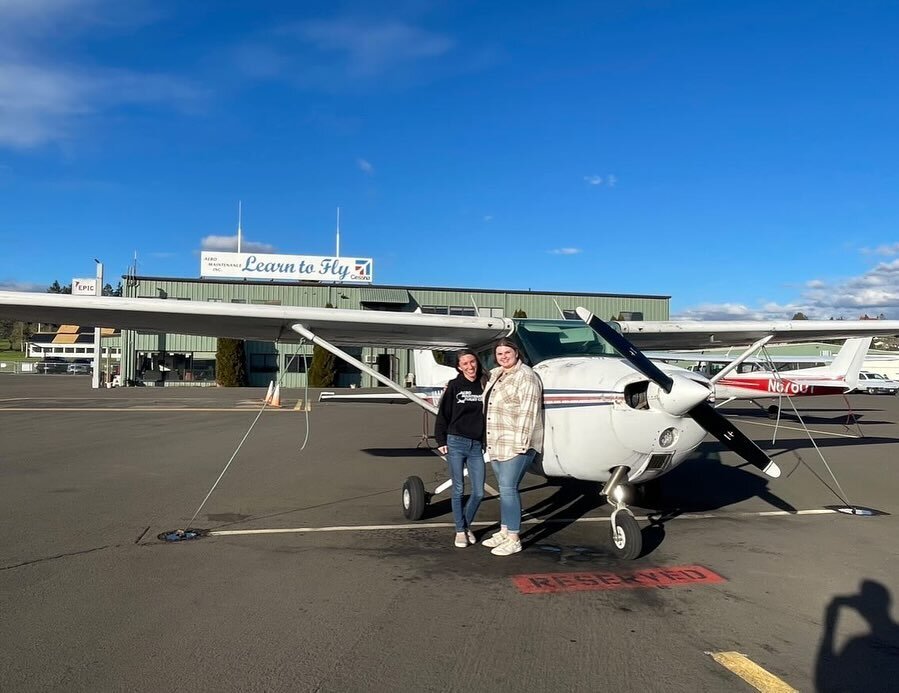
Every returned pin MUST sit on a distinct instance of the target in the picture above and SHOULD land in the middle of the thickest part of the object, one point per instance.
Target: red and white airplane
(611, 414)
(754, 379)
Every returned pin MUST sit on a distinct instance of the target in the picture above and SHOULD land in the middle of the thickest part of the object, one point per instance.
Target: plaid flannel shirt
(514, 412)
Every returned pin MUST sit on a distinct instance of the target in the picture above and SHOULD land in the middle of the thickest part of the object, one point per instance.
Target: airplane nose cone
(685, 394)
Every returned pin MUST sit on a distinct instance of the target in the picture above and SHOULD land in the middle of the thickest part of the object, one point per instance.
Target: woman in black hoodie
(459, 432)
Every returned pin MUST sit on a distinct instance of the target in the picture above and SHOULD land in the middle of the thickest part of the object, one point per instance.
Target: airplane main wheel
(627, 540)
(773, 411)
(414, 498)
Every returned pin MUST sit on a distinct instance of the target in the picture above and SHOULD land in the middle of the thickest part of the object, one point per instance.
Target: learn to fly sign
(286, 267)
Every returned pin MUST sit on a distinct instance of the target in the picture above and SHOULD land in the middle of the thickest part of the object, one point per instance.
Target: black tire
(627, 539)
(415, 500)
(772, 411)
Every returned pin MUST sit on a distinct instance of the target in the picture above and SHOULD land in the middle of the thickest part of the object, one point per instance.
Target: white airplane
(612, 416)
(747, 377)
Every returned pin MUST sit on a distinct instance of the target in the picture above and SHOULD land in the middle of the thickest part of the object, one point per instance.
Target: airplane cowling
(591, 429)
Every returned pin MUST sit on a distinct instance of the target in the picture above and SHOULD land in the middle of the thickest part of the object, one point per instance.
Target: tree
(56, 288)
(230, 363)
(519, 313)
(323, 369)
(799, 316)
(109, 291)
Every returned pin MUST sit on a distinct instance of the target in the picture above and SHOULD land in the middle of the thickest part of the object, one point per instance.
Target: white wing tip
(583, 314)
(772, 470)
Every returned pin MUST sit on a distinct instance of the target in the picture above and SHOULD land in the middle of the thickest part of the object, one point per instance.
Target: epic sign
(293, 267)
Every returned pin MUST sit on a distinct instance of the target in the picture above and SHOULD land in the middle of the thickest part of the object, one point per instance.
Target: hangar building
(171, 359)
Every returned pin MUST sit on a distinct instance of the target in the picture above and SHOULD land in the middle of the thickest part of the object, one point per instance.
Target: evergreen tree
(799, 316)
(230, 363)
(519, 313)
(323, 368)
(109, 291)
(57, 288)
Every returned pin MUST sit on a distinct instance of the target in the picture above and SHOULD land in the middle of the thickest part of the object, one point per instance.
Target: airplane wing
(695, 334)
(391, 329)
(257, 322)
(698, 356)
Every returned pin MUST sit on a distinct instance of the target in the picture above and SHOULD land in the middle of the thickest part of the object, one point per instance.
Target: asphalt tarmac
(353, 599)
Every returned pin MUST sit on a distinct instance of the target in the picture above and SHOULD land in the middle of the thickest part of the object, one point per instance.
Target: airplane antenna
(337, 254)
(239, 231)
(477, 312)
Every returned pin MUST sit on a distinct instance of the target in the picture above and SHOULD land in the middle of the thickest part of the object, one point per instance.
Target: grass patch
(12, 356)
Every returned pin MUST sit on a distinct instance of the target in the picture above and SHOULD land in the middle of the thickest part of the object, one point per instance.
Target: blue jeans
(464, 452)
(509, 474)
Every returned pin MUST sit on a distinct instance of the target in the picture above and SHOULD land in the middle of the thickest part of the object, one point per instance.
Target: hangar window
(266, 301)
(296, 363)
(238, 300)
(462, 310)
(264, 363)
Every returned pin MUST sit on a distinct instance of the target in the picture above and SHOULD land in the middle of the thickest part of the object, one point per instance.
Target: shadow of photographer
(866, 662)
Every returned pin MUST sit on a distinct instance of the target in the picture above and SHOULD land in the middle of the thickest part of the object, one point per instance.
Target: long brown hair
(480, 374)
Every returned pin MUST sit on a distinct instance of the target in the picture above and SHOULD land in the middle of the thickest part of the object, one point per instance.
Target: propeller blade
(627, 350)
(717, 424)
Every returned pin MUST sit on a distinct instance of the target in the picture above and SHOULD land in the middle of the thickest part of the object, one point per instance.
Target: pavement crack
(53, 558)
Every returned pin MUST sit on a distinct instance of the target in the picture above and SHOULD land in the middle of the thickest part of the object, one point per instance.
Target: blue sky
(741, 158)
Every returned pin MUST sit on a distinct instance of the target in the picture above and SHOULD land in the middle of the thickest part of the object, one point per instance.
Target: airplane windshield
(551, 339)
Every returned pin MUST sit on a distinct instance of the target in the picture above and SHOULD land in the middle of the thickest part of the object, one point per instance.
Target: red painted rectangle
(550, 583)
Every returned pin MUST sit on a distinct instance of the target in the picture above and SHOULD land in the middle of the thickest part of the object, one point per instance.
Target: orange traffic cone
(268, 395)
(276, 397)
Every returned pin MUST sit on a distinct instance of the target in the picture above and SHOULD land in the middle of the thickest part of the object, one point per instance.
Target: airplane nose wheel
(415, 500)
(627, 539)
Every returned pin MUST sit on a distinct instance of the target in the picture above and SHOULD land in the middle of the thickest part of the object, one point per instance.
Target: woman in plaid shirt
(513, 401)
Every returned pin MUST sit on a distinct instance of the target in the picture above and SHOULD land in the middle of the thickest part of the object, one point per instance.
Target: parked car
(50, 367)
(876, 384)
(79, 369)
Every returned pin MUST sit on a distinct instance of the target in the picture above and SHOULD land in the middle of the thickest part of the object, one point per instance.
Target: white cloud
(365, 167)
(887, 250)
(873, 293)
(362, 49)
(229, 244)
(564, 251)
(44, 95)
(15, 285)
(610, 180)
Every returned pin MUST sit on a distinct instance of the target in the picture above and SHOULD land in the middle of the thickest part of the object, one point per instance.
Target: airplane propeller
(698, 409)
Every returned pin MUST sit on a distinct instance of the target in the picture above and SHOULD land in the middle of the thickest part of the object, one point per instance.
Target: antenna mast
(239, 214)
(338, 233)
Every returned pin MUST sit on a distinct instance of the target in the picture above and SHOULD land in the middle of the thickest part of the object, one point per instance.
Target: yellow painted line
(751, 673)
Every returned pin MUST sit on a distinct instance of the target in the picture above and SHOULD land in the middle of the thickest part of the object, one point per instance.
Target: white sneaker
(507, 548)
(471, 539)
(492, 542)
(461, 540)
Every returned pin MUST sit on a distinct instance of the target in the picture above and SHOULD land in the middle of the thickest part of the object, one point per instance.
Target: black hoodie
(461, 411)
